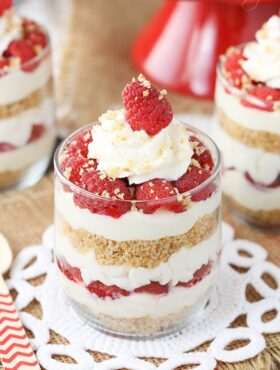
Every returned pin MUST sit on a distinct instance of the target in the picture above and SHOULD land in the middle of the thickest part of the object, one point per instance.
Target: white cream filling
(122, 152)
(134, 225)
(251, 118)
(18, 84)
(140, 304)
(264, 167)
(17, 129)
(15, 160)
(180, 266)
(236, 186)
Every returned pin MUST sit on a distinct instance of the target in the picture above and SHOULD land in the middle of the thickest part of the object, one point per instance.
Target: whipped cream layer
(122, 152)
(141, 304)
(18, 84)
(264, 167)
(21, 158)
(133, 225)
(237, 187)
(263, 63)
(10, 28)
(17, 129)
(251, 118)
(180, 266)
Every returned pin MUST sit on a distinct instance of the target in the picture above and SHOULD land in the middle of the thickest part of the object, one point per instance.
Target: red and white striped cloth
(15, 350)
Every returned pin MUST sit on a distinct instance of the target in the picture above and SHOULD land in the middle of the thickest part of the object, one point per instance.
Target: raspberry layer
(25, 156)
(133, 225)
(139, 305)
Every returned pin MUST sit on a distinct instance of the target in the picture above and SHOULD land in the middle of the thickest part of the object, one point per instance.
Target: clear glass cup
(247, 132)
(27, 121)
(138, 275)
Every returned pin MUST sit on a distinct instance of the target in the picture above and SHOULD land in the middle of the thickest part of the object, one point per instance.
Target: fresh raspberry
(153, 191)
(78, 147)
(74, 168)
(199, 274)
(259, 185)
(145, 107)
(106, 291)
(266, 97)
(202, 154)
(232, 65)
(191, 179)
(29, 25)
(72, 273)
(4, 5)
(6, 147)
(37, 38)
(116, 191)
(153, 288)
(37, 131)
(21, 49)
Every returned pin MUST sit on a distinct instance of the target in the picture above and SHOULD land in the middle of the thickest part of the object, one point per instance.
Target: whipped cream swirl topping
(263, 55)
(122, 152)
(10, 28)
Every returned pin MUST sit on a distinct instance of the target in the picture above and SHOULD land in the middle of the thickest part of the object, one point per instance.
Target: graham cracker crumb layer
(30, 101)
(256, 139)
(261, 218)
(140, 253)
(10, 178)
(143, 325)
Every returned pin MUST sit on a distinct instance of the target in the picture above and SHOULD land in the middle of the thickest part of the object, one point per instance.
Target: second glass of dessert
(26, 100)
(137, 199)
(248, 126)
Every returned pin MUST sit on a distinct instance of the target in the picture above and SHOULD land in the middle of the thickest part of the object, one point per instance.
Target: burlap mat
(26, 214)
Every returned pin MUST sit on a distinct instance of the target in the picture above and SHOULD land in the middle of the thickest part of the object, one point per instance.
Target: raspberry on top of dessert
(21, 40)
(255, 68)
(137, 158)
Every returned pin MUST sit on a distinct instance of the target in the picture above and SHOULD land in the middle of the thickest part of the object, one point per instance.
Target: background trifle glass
(136, 268)
(247, 127)
(27, 118)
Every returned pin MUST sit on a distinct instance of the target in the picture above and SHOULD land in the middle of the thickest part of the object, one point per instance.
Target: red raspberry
(145, 107)
(199, 274)
(37, 131)
(6, 147)
(234, 71)
(74, 168)
(267, 96)
(202, 154)
(116, 191)
(153, 288)
(191, 179)
(78, 147)
(4, 5)
(37, 38)
(72, 273)
(153, 191)
(107, 291)
(24, 51)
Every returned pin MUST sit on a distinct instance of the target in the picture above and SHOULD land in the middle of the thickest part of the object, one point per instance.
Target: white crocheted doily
(227, 303)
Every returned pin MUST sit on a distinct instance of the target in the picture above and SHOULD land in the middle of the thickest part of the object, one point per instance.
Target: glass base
(87, 319)
(28, 177)
(249, 220)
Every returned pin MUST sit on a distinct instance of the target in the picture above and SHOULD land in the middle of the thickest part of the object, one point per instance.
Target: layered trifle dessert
(248, 125)
(137, 200)
(26, 100)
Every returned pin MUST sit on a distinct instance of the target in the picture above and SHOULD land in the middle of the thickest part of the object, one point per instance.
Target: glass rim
(216, 170)
(35, 59)
(233, 89)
